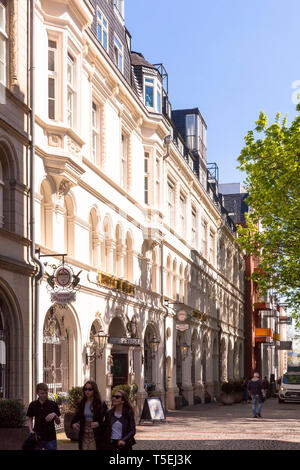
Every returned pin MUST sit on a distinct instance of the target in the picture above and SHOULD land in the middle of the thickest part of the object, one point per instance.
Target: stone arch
(230, 368)
(151, 331)
(93, 237)
(69, 215)
(12, 344)
(61, 340)
(46, 192)
(9, 169)
(128, 260)
(169, 276)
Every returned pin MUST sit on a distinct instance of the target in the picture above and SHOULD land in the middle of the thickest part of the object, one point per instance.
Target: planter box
(227, 398)
(69, 431)
(13, 438)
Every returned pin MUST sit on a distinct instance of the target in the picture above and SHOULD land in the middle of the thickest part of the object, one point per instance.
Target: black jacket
(100, 432)
(128, 426)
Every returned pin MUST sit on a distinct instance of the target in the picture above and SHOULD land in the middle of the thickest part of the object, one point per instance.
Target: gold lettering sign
(115, 283)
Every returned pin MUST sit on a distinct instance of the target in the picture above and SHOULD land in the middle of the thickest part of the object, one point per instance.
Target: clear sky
(230, 58)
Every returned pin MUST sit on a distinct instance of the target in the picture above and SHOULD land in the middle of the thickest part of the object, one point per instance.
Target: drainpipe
(40, 271)
(165, 317)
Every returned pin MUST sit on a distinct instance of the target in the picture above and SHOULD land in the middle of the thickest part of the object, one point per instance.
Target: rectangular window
(171, 203)
(124, 161)
(52, 77)
(149, 92)
(157, 182)
(95, 133)
(204, 238)
(182, 205)
(194, 227)
(119, 4)
(153, 94)
(102, 29)
(191, 131)
(212, 247)
(70, 90)
(118, 54)
(146, 177)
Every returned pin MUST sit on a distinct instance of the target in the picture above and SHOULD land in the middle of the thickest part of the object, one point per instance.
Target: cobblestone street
(218, 427)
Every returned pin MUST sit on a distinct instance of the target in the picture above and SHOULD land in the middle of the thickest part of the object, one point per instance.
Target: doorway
(119, 368)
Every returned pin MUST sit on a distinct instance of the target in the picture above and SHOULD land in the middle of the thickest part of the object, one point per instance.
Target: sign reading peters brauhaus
(113, 282)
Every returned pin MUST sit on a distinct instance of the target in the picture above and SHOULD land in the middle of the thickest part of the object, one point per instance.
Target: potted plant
(227, 397)
(70, 407)
(13, 429)
(238, 391)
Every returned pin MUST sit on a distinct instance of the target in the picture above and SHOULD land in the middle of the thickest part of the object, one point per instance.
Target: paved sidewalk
(214, 426)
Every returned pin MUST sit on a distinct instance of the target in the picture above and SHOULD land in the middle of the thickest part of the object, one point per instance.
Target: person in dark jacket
(257, 394)
(91, 419)
(121, 423)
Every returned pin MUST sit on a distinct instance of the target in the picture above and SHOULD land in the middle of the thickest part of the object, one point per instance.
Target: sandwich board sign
(153, 410)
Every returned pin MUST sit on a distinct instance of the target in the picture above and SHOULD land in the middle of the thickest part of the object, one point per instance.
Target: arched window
(118, 253)
(46, 214)
(4, 334)
(154, 271)
(169, 278)
(174, 293)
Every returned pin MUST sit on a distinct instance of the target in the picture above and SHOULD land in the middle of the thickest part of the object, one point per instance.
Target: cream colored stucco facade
(89, 206)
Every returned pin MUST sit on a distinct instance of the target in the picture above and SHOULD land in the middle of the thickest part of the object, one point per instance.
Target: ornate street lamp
(97, 346)
(184, 350)
(154, 345)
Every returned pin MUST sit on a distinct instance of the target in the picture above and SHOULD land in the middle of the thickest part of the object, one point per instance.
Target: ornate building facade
(123, 196)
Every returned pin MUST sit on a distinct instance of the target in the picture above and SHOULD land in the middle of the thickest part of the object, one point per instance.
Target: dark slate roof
(137, 59)
(236, 203)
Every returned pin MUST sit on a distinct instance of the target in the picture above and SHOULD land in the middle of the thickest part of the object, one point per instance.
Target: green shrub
(75, 395)
(124, 387)
(12, 413)
(227, 387)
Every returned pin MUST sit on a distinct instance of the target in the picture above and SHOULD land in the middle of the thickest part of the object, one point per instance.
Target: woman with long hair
(121, 423)
(91, 419)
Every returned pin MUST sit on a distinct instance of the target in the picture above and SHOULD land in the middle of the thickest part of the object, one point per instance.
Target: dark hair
(42, 386)
(97, 402)
(126, 403)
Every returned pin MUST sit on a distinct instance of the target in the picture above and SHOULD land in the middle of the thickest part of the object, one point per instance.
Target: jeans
(256, 401)
(47, 445)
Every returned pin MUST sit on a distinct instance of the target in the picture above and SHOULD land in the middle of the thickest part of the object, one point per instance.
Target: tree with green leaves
(271, 160)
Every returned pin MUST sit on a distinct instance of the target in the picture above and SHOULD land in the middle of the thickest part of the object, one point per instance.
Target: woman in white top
(121, 423)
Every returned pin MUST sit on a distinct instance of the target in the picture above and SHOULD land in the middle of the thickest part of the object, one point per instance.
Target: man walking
(44, 412)
(257, 394)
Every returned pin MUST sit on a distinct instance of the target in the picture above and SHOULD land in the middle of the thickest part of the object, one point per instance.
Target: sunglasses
(117, 396)
(86, 389)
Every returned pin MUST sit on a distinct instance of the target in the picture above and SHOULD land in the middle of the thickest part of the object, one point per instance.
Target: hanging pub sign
(182, 316)
(182, 326)
(63, 284)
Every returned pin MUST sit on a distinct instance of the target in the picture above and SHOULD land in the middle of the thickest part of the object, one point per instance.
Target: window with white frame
(182, 213)
(119, 4)
(3, 43)
(194, 227)
(70, 90)
(146, 177)
(124, 161)
(204, 237)
(153, 94)
(171, 203)
(95, 154)
(157, 182)
(211, 246)
(52, 78)
(102, 29)
(118, 53)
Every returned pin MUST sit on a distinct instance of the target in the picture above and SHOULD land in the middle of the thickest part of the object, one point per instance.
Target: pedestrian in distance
(121, 423)
(245, 390)
(90, 419)
(266, 386)
(45, 413)
(257, 394)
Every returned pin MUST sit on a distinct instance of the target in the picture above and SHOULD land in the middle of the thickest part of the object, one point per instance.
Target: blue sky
(230, 58)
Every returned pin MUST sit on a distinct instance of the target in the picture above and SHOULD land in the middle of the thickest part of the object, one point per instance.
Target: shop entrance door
(120, 369)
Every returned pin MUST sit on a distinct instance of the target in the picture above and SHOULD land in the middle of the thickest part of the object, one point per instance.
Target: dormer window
(119, 5)
(118, 54)
(102, 29)
(152, 94)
